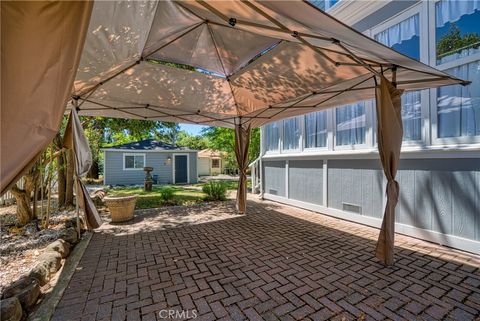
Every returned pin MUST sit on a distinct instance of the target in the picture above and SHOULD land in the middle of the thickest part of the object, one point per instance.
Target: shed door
(203, 166)
(181, 169)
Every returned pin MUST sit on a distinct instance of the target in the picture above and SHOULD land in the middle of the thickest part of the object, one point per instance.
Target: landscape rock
(40, 273)
(51, 260)
(10, 309)
(26, 289)
(69, 235)
(59, 246)
(71, 222)
(97, 197)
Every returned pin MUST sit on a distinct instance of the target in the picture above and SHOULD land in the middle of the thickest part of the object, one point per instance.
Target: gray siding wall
(440, 195)
(274, 178)
(115, 175)
(356, 182)
(193, 167)
(305, 181)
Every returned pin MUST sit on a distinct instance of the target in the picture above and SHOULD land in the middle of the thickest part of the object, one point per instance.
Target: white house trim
(351, 12)
(134, 154)
(188, 166)
(149, 150)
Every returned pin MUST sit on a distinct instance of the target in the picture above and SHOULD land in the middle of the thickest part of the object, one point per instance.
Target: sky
(192, 129)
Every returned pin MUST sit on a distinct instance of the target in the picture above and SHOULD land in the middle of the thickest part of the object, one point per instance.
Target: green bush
(167, 195)
(215, 190)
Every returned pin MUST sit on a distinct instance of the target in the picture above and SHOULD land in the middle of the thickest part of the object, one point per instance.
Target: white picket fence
(8, 197)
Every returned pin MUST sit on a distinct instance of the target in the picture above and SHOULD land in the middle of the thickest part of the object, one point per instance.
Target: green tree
(223, 139)
(168, 133)
(453, 41)
(191, 141)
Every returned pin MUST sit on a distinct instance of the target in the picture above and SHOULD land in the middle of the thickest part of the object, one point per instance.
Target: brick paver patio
(276, 263)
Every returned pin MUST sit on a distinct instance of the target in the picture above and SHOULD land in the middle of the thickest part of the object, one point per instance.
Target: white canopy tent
(251, 62)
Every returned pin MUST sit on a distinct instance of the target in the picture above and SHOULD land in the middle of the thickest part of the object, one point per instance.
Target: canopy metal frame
(375, 68)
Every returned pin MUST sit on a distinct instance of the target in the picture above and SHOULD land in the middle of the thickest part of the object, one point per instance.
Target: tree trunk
(69, 180)
(61, 179)
(24, 212)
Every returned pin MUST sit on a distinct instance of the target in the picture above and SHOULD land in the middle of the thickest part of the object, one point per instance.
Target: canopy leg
(390, 135)
(242, 142)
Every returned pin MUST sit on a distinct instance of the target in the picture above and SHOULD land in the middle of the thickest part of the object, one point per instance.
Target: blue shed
(123, 164)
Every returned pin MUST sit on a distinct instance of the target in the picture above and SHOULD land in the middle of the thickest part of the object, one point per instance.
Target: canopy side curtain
(242, 142)
(41, 45)
(75, 140)
(390, 135)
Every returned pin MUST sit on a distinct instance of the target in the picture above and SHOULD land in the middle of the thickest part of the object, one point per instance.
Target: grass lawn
(231, 185)
(182, 195)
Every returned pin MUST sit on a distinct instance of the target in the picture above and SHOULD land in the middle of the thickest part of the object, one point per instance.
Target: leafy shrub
(215, 190)
(167, 195)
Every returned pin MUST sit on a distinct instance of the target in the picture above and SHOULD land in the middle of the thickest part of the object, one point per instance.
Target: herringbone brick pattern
(276, 263)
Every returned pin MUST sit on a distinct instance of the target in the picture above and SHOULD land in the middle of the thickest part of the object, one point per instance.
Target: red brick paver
(276, 263)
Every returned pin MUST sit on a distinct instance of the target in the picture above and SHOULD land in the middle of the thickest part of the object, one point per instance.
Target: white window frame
(435, 140)
(134, 154)
(304, 133)
(219, 162)
(421, 10)
(188, 166)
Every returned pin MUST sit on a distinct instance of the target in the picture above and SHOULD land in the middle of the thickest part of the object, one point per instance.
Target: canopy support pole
(242, 142)
(390, 135)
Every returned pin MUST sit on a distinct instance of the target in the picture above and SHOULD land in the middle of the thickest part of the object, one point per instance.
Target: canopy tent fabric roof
(258, 61)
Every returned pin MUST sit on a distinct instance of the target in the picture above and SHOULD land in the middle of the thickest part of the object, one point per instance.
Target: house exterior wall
(114, 174)
(439, 176)
(203, 166)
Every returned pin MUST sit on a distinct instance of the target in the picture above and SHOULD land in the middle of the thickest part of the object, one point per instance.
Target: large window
(271, 136)
(291, 133)
(459, 106)
(350, 124)
(133, 161)
(405, 38)
(316, 130)
(457, 29)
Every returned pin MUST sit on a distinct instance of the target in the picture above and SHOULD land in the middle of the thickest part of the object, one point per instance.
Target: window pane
(291, 133)
(139, 161)
(324, 4)
(457, 29)
(129, 161)
(215, 163)
(412, 116)
(316, 129)
(271, 137)
(459, 106)
(404, 37)
(350, 124)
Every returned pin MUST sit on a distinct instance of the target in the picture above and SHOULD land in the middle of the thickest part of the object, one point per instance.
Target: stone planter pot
(121, 207)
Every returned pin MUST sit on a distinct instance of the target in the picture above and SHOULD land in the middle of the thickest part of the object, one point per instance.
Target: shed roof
(147, 144)
(209, 153)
